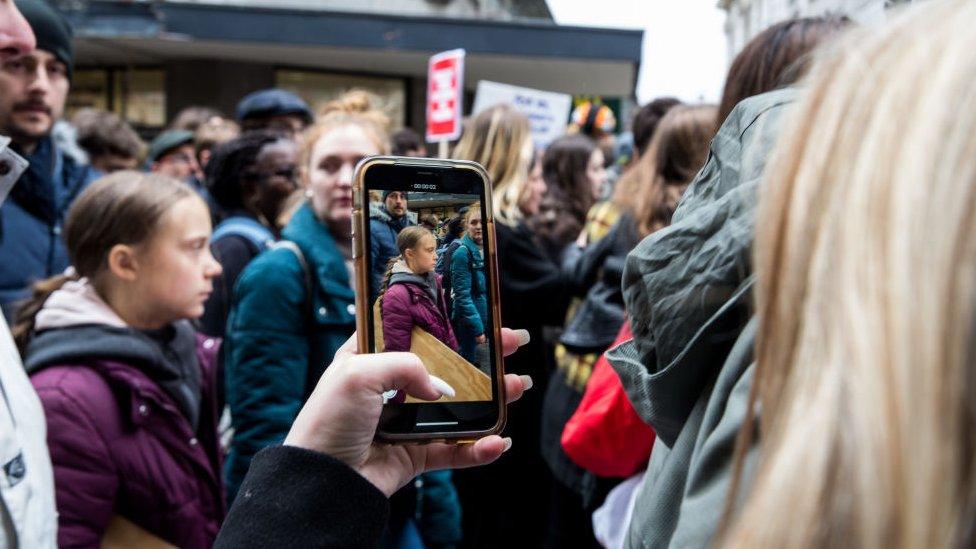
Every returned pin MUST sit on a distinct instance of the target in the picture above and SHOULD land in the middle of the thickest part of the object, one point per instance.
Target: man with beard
(386, 220)
(33, 90)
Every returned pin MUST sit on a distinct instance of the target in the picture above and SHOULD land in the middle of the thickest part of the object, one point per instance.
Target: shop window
(142, 96)
(89, 89)
(138, 95)
(318, 88)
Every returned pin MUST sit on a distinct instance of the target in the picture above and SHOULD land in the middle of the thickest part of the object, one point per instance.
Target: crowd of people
(755, 329)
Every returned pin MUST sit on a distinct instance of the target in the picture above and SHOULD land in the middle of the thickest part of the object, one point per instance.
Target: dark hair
(102, 133)
(776, 57)
(646, 120)
(569, 196)
(429, 220)
(404, 141)
(231, 164)
(125, 207)
(192, 117)
(455, 228)
(674, 156)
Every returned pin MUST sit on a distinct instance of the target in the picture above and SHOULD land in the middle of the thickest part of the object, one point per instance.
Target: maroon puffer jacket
(121, 446)
(406, 304)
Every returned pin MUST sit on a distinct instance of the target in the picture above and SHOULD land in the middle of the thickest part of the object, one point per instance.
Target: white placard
(548, 112)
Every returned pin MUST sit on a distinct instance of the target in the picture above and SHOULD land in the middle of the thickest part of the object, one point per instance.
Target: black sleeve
(582, 265)
(233, 253)
(533, 286)
(293, 497)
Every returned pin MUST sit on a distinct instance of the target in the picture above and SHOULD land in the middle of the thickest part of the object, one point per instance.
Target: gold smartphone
(429, 285)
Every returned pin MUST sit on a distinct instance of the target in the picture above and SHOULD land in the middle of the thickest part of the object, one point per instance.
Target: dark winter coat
(31, 220)
(383, 231)
(120, 443)
(534, 293)
(407, 303)
(597, 271)
(234, 249)
(468, 286)
(688, 371)
(280, 338)
(296, 498)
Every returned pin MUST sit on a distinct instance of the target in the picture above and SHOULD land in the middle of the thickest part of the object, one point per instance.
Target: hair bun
(357, 102)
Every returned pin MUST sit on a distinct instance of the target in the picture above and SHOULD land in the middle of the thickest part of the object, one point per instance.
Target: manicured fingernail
(442, 387)
(526, 382)
(508, 444)
(523, 337)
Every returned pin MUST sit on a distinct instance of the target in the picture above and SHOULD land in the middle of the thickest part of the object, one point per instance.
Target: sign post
(445, 92)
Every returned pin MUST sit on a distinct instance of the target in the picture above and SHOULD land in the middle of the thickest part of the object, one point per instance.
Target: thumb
(384, 372)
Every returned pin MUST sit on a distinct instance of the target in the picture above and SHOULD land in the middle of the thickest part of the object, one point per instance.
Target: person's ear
(122, 262)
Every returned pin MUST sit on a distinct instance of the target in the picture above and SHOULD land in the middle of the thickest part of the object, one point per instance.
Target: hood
(76, 326)
(401, 274)
(76, 303)
(688, 286)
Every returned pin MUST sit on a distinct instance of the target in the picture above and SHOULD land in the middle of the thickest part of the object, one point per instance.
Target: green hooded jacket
(688, 289)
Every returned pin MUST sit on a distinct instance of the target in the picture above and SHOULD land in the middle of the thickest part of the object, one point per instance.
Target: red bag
(605, 435)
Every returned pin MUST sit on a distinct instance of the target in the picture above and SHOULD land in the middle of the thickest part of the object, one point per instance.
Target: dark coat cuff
(292, 497)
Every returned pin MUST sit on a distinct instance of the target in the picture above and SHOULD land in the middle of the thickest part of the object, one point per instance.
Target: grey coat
(688, 289)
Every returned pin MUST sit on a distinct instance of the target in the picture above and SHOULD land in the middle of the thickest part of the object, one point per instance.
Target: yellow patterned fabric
(601, 217)
(577, 368)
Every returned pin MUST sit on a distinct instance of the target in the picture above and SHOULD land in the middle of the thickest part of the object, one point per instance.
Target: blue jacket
(277, 343)
(383, 231)
(31, 247)
(470, 301)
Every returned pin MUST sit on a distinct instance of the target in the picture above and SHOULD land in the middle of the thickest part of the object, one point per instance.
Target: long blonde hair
(497, 139)
(866, 293)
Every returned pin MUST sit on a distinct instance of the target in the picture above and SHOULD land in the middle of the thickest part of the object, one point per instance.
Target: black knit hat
(52, 30)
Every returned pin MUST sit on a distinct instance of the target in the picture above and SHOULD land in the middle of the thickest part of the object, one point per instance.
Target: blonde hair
(355, 107)
(866, 292)
(496, 139)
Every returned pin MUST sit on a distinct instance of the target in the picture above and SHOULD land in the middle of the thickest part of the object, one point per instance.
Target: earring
(308, 193)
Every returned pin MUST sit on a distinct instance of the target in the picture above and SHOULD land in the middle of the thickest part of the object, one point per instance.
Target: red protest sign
(445, 85)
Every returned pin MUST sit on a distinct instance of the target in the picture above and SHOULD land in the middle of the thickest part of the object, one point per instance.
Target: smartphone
(440, 301)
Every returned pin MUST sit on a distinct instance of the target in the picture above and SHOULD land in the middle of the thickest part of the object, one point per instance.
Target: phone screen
(430, 290)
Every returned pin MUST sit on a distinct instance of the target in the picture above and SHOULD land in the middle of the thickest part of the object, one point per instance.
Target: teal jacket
(468, 286)
(277, 342)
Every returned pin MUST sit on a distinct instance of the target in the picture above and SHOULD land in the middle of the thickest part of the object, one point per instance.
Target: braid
(23, 329)
(387, 276)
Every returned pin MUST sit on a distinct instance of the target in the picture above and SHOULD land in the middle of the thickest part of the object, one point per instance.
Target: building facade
(148, 59)
(747, 18)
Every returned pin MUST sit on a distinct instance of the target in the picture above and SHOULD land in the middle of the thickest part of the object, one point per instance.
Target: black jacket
(534, 293)
(597, 271)
(293, 497)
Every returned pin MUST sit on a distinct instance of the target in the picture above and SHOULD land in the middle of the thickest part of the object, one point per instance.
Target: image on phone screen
(429, 289)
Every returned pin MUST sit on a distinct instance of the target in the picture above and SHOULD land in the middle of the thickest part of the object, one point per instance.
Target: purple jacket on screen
(410, 301)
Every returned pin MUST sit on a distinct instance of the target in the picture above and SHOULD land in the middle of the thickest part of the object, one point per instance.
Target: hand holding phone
(429, 293)
(340, 417)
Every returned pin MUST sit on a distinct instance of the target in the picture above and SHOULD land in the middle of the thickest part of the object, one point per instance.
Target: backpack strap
(245, 227)
(311, 378)
(306, 271)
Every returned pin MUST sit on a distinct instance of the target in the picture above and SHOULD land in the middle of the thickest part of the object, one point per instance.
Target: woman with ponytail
(128, 387)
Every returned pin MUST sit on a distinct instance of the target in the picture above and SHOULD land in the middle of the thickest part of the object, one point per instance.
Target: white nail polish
(523, 337)
(442, 387)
